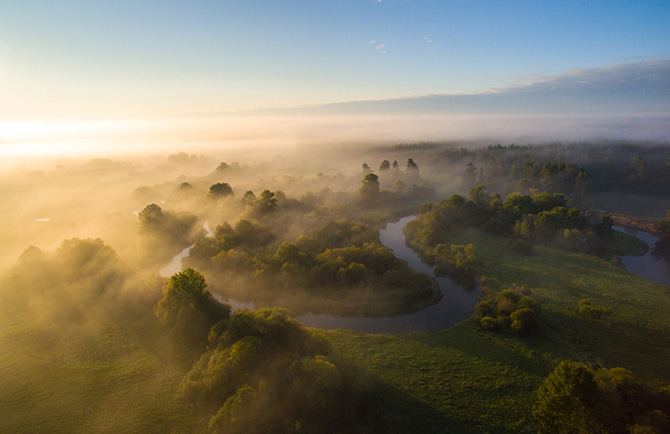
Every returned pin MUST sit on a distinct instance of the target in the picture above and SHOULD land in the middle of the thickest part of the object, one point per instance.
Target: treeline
(537, 218)
(392, 184)
(572, 169)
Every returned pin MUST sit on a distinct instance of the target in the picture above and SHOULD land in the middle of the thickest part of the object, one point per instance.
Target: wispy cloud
(628, 75)
(372, 42)
(380, 47)
(427, 40)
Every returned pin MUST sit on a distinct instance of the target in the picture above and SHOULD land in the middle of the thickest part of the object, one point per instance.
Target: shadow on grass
(389, 409)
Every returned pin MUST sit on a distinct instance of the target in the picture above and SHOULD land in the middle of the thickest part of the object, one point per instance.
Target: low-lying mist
(260, 135)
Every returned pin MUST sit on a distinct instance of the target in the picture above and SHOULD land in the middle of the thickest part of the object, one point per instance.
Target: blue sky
(118, 59)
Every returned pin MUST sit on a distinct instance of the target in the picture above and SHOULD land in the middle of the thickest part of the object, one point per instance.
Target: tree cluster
(576, 398)
(341, 255)
(259, 371)
(539, 218)
(509, 310)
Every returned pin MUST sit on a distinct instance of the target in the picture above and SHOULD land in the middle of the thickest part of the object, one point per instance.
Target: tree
(479, 196)
(470, 174)
(568, 401)
(395, 166)
(366, 168)
(220, 189)
(370, 187)
(151, 216)
(386, 165)
(412, 166)
(580, 184)
(188, 309)
(662, 226)
(266, 202)
(639, 170)
(523, 320)
(249, 197)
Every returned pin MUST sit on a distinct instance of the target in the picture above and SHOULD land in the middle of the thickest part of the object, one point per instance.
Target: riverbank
(644, 224)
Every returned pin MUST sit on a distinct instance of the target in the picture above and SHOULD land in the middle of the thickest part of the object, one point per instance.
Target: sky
(102, 61)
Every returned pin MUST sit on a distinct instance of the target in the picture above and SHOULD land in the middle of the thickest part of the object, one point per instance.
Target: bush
(523, 320)
(488, 323)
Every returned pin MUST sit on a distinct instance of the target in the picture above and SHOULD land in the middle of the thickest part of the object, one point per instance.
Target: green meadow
(469, 380)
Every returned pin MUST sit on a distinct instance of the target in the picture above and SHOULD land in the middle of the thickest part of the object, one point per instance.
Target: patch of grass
(85, 380)
(620, 244)
(478, 381)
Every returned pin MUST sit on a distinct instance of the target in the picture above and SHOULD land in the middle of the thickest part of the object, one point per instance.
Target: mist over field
(352, 217)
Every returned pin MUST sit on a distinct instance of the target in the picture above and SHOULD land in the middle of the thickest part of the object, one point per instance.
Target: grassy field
(467, 380)
(98, 377)
(90, 379)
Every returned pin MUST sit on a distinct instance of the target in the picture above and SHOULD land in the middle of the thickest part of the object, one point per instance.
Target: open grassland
(469, 380)
(95, 379)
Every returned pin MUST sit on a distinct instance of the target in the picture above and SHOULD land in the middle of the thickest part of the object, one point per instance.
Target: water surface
(649, 266)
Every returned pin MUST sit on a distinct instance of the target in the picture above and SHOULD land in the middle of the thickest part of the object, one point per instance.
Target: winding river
(455, 305)
(649, 266)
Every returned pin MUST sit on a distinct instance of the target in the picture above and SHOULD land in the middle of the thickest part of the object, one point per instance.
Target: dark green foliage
(584, 241)
(524, 319)
(569, 401)
(370, 266)
(264, 373)
(489, 323)
(265, 203)
(457, 257)
(541, 217)
(335, 234)
(508, 310)
(242, 241)
(220, 189)
(575, 398)
(188, 309)
(338, 256)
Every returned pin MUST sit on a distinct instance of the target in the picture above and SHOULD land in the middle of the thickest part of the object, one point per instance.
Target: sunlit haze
(81, 77)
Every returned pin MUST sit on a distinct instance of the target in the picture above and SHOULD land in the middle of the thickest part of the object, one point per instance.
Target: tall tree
(370, 187)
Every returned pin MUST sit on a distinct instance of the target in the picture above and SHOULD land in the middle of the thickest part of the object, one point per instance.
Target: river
(649, 266)
(455, 305)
